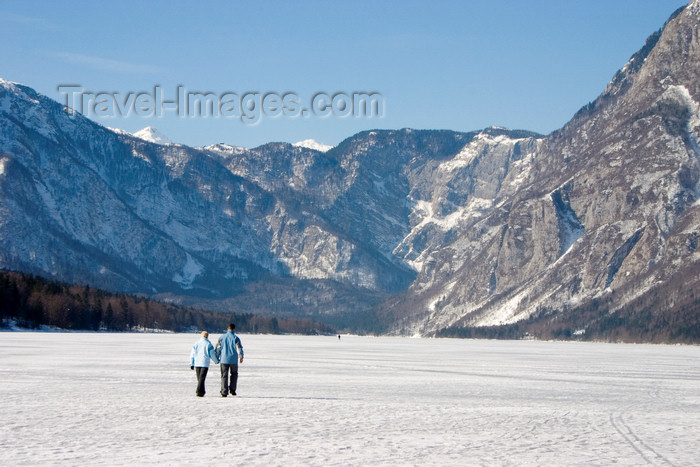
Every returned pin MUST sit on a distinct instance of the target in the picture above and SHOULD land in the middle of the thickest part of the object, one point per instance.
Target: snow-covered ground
(89, 399)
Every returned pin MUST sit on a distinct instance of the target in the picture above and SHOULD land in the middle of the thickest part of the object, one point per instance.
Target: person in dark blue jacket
(200, 355)
(230, 352)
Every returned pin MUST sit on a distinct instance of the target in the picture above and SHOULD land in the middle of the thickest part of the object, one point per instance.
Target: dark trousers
(201, 373)
(227, 385)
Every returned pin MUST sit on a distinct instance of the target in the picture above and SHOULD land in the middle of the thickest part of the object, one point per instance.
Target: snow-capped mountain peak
(152, 135)
(313, 144)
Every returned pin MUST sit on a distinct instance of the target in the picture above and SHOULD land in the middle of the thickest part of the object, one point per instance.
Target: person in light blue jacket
(226, 350)
(201, 353)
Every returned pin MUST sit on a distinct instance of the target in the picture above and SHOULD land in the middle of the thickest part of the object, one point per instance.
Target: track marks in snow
(618, 420)
(650, 456)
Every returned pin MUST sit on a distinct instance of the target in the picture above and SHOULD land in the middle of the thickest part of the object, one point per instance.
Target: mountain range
(399, 231)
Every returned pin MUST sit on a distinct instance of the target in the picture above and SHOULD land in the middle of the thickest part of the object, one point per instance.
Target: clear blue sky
(460, 65)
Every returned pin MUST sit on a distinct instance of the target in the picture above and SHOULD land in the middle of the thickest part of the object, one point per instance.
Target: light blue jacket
(202, 352)
(227, 347)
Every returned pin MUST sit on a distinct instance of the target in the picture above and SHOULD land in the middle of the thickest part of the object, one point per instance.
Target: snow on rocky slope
(152, 135)
(400, 230)
(313, 144)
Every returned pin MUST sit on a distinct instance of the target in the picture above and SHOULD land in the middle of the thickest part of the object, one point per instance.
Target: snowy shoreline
(13, 327)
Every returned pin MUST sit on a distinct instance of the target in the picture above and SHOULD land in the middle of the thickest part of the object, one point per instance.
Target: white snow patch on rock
(190, 271)
(119, 131)
(313, 144)
(152, 135)
(225, 150)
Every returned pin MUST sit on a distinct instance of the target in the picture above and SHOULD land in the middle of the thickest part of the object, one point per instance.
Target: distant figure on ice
(200, 355)
(226, 351)
(338, 336)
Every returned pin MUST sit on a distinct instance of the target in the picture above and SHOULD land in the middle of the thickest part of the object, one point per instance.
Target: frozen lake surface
(82, 398)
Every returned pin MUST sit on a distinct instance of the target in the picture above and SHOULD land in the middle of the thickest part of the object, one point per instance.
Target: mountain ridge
(401, 231)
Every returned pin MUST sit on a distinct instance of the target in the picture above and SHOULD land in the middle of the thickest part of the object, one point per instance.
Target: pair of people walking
(228, 353)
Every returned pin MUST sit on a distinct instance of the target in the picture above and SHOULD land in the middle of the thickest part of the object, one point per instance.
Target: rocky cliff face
(606, 207)
(430, 229)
